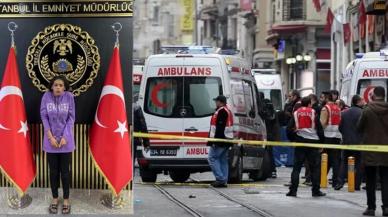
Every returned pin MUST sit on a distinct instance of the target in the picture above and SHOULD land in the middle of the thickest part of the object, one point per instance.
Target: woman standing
(57, 111)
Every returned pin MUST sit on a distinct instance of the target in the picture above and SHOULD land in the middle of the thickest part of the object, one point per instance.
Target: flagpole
(113, 200)
(16, 198)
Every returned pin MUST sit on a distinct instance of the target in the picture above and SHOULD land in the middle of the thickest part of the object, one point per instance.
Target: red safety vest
(332, 129)
(229, 124)
(305, 123)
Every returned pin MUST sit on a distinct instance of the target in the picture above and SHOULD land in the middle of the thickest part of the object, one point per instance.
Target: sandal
(66, 209)
(53, 208)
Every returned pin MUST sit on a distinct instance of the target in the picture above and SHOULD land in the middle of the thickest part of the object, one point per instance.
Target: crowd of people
(330, 121)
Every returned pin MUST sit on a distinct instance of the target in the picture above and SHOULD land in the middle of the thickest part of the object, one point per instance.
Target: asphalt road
(245, 200)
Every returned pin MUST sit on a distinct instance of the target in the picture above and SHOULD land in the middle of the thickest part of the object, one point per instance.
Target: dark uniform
(304, 127)
(139, 125)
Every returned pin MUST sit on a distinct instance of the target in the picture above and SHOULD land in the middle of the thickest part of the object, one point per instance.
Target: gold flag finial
(12, 26)
(117, 28)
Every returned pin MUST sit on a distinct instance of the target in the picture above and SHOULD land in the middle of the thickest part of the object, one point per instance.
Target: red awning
(289, 28)
(323, 54)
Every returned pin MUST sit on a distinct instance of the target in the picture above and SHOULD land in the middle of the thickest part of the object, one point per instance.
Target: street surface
(245, 200)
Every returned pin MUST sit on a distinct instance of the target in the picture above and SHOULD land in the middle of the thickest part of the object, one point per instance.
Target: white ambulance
(137, 75)
(177, 95)
(362, 75)
(270, 84)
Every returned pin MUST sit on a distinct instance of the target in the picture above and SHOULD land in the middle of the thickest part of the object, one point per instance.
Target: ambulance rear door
(202, 82)
(163, 104)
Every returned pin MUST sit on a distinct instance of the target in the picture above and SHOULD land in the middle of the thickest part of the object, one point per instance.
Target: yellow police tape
(372, 148)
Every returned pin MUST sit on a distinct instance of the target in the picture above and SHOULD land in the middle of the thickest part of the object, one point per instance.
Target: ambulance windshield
(182, 97)
(365, 87)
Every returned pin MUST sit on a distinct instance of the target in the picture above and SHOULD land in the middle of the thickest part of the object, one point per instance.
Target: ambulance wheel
(236, 172)
(148, 175)
(264, 172)
(179, 176)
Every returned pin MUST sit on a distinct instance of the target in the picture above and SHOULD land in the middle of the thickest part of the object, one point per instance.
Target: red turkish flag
(329, 21)
(110, 144)
(16, 156)
(317, 5)
(362, 13)
(347, 33)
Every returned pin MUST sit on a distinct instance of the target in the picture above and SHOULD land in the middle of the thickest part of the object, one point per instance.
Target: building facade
(227, 24)
(301, 48)
(162, 22)
(372, 36)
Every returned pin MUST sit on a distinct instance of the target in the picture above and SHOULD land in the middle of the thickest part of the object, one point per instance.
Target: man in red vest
(305, 126)
(330, 119)
(221, 127)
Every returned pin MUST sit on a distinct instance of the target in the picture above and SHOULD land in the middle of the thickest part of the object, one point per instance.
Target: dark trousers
(59, 164)
(300, 156)
(370, 174)
(357, 167)
(272, 159)
(334, 161)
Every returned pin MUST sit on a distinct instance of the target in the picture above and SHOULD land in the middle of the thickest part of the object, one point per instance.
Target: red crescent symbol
(368, 93)
(154, 95)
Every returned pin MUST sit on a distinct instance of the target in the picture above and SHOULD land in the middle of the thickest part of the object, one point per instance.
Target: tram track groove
(250, 207)
(178, 202)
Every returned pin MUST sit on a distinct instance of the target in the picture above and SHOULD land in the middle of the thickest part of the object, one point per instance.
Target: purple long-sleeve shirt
(58, 115)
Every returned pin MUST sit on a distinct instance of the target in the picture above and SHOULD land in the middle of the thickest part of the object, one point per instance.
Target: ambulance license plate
(163, 151)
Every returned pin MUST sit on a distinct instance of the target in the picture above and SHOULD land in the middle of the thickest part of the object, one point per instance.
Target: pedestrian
(139, 125)
(351, 136)
(57, 111)
(330, 119)
(221, 127)
(374, 125)
(304, 125)
(335, 95)
(292, 104)
(341, 104)
(273, 131)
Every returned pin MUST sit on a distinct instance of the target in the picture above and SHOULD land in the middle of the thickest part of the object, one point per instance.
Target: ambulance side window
(237, 93)
(250, 103)
(259, 101)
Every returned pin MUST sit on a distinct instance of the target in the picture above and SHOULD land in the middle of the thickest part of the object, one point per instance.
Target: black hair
(379, 92)
(334, 92)
(295, 93)
(328, 95)
(313, 97)
(306, 101)
(356, 99)
(63, 79)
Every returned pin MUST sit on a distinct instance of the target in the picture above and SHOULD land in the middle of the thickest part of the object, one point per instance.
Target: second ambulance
(362, 75)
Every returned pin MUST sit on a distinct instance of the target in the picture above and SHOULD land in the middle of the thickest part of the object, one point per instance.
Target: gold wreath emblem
(71, 77)
(42, 68)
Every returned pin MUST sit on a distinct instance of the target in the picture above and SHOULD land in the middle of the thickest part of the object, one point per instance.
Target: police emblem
(63, 49)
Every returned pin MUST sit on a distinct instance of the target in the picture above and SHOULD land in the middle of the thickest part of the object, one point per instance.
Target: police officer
(139, 125)
(330, 119)
(221, 127)
(304, 125)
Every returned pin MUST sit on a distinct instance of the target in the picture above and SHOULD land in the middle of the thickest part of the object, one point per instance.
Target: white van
(363, 74)
(270, 84)
(177, 99)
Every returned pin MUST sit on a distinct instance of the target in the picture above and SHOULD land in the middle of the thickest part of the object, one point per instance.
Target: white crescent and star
(106, 90)
(13, 90)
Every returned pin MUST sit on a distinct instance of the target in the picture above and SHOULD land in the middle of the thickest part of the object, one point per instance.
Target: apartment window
(155, 15)
(296, 9)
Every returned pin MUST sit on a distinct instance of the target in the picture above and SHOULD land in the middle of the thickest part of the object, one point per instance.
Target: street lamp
(307, 58)
(299, 57)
